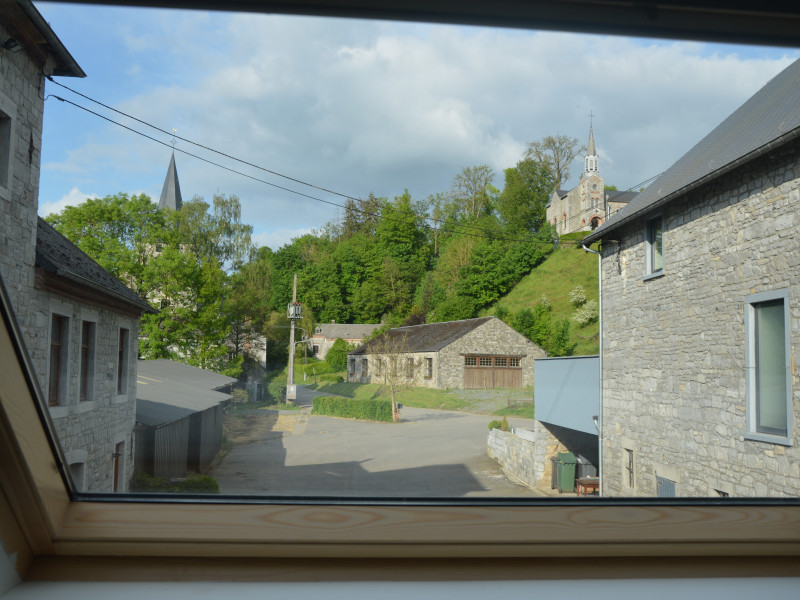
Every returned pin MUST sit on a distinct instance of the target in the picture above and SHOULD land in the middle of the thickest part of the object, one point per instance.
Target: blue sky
(364, 106)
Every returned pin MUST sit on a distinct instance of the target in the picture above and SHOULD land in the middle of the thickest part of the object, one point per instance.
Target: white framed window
(654, 246)
(122, 361)
(59, 360)
(768, 368)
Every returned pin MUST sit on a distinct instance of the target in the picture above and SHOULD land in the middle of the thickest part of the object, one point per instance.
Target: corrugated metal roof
(424, 338)
(163, 369)
(55, 253)
(771, 115)
(158, 413)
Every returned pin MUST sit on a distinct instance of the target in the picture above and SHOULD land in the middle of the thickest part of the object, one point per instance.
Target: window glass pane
(656, 248)
(770, 358)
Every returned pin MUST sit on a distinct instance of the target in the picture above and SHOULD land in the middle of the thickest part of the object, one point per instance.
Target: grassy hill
(565, 268)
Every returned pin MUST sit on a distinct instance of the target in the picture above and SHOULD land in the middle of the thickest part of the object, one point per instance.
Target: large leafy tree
(522, 205)
(556, 153)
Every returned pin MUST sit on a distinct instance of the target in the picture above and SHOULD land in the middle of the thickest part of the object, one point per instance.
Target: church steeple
(590, 161)
(171, 192)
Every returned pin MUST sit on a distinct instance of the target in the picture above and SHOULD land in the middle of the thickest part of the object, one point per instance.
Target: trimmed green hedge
(352, 408)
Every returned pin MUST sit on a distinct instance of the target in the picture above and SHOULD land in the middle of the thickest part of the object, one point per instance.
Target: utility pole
(295, 312)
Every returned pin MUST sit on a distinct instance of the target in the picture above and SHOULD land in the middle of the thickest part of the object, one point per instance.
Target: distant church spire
(171, 192)
(590, 162)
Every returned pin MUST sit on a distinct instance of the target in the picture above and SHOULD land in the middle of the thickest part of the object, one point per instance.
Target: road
(431, 453)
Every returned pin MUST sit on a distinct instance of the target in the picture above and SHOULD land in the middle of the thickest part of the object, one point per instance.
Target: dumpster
(584, 468)
(566, 472)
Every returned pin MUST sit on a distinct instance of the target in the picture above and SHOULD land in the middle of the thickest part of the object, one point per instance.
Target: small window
(485, 361)
(428, 368)
(5, 150)
(122, 361)
(514, 362)
(87, 361)
(629, 467)
(665, 488)
(409, 367)
(470, 361)
(316, 349)
(364, 367)
(654, 246)
(59, 354)
(768, 373)
(501, 361)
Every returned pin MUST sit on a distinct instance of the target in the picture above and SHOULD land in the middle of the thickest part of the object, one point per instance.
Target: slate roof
(171, 192)
(56, 254)
(356, 331)
(624, 196)
(167, 391)
(431, 337)
(771, 117)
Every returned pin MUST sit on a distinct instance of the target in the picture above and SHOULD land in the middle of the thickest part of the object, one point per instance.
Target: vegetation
(370, 409)
(501, 425)
(337, 355)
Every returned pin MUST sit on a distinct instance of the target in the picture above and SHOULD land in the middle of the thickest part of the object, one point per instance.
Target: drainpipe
(598, 419)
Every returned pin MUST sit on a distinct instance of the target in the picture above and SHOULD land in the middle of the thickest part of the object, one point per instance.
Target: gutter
(752, 155)
(68, 66)
(598, 419)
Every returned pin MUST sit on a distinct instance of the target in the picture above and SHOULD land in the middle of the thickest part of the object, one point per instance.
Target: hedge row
(352, 408)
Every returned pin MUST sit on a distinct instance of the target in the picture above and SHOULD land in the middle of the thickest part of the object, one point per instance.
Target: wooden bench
(587, 485)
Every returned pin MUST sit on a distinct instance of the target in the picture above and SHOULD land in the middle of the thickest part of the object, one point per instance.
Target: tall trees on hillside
(556, 152)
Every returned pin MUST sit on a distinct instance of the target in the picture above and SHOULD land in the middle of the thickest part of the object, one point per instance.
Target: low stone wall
(515, 451)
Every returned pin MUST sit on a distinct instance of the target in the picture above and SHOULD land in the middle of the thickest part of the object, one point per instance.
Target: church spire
(590, 162)
(171, 192)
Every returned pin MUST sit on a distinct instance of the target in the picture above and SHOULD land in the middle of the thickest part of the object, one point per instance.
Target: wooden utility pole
(294, 314)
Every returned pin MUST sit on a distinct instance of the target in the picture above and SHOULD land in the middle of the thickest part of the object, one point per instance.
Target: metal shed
(178, 417)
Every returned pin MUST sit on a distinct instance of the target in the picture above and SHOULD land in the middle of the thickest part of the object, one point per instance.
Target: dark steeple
(171, 192)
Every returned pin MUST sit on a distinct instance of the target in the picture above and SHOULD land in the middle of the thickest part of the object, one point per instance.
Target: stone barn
(473, 353)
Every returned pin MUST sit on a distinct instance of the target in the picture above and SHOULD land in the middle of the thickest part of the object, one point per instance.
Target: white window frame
(751, 416)
(649, 243)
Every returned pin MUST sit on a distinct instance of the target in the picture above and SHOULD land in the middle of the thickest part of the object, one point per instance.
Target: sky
(359, 107)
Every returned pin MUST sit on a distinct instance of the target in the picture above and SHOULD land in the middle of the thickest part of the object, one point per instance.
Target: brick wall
(674, 346)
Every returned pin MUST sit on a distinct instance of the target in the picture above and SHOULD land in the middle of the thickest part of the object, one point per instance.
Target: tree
(556, 153)
(523, 203)
(337, 355)
(472, 190)
(390, 355)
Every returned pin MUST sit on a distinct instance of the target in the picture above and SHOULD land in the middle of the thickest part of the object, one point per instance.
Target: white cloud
(73, 198)
(359, 107)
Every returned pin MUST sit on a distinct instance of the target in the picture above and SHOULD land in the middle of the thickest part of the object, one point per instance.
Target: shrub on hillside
(352, 408)
(577, 296)
(586, 314)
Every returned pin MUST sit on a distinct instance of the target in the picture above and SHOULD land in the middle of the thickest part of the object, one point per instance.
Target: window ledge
(58, 412)
(780, 440)
(86, 406)
(119, 398)
(655, 275)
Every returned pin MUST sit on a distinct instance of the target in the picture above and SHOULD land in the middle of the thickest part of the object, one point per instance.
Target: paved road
(431, 453)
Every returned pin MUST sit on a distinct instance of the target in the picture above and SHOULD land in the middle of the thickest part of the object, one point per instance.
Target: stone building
(701, 314)
(79, 324)
(325, 334)
(586, 206)
(473, 353)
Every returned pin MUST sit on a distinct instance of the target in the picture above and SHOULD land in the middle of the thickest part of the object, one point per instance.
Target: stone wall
(674, 346)
(89, 431)
(515, 452)
(21, 109)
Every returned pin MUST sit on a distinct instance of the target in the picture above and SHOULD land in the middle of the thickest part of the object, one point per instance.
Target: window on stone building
(654, 246)
(484, 361)
(409, 367)
(316, 349)
(665, 488)
(428, 368)
(87, 361)
(629, 467)
(5, 149)
(470, 361)
(514, 362)
(364, 367)
(122, 361)
(768, 369)
(59, 358)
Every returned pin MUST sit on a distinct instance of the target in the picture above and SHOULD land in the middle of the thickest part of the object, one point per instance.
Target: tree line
(383, 260)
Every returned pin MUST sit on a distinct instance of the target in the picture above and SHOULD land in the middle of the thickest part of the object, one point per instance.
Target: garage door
(492, 372)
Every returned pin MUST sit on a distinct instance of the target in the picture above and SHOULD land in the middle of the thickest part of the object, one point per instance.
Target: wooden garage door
(492, 372)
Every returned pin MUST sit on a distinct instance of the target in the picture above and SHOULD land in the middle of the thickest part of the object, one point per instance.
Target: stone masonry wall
(674, 346)
(493, 337)
(21, 105)
(90, 430)
(514, 451)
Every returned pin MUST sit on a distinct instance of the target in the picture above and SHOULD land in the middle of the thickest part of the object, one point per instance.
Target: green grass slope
(565, 268)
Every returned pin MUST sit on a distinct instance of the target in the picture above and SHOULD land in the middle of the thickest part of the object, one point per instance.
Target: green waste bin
(566, 472)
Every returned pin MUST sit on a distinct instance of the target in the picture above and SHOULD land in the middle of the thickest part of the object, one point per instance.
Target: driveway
(431, 453)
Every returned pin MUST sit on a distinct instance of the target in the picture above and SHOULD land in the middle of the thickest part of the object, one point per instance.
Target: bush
(577, 296)
(275, 382)
(586, 314)
(352, 408)
(494, 424)
(501, 425)
(337, 355)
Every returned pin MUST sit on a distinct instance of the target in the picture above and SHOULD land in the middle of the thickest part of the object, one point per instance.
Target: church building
(586, 206)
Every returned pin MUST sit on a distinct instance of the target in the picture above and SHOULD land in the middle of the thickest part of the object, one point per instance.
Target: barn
(466, 354)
